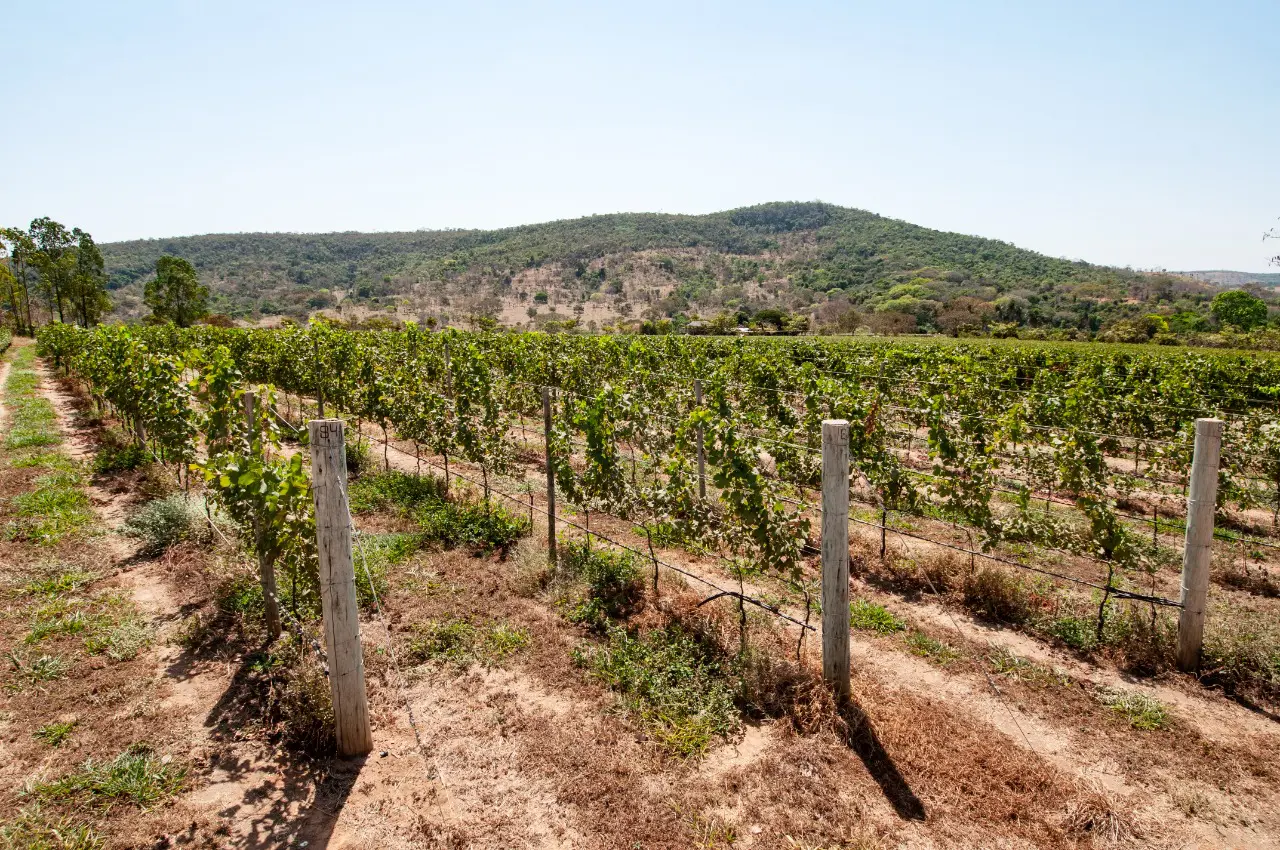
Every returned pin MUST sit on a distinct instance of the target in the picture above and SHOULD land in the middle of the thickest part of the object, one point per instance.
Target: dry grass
(1095, 814)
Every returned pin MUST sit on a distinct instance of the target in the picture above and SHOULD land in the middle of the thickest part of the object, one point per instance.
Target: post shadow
(861, 737)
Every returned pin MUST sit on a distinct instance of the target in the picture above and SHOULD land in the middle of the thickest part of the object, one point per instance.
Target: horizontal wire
(560, 518)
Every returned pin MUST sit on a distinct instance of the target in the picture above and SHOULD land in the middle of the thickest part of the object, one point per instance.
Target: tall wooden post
(551, 476)
(266, 567)
(1198, 547)
(338, 587)
(835, 556)
(702, 449)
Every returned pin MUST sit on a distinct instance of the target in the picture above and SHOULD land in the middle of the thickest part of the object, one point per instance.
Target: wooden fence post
(551, 476)
(702, 449)
(338, 587)
(835, 556)
(266, 568)
(315, 364)
(1198, 548)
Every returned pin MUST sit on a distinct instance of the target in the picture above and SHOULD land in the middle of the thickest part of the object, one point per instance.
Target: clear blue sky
(1138, 133)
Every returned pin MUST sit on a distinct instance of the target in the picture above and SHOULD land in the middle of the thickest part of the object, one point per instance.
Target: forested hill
(794, 256)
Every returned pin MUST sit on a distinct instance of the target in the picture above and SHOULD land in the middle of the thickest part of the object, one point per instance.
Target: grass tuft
(34, 829)
(463, 644)
(32, 672)
(871, 617)
(1006, 663)
(135, 776)
(1143, 712)
(935, 650)
(57, 508)
(60, 584)
(54, 734)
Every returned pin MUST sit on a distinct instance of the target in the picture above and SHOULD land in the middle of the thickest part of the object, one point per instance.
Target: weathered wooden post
(266, 567)
(551, 476)
(835, 556)
(702, 449)
(1198, 548)
(338, 587)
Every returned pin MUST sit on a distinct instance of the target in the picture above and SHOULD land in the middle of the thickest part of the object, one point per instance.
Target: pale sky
(1135, 133)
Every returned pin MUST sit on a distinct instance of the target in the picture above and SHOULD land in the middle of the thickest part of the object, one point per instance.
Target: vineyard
(1040, 490)
(1068, 468)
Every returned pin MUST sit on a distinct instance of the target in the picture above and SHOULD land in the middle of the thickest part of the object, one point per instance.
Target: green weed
(374, 554)
(57, 585)
(935, 650)
(135, 776)
(397, 491)
(54, 734)
(33, 829)
(120, 641)
(872, 617)
(120, 455)
(56, 618)
(53, 461)
(32, 672)
(461, 643)
(33, 423)
(1143, 712)
(56, 508)
(1006, 663)
(1076, 632)
(163, 523)
(483, 528)
(612, 580)
(675, 690)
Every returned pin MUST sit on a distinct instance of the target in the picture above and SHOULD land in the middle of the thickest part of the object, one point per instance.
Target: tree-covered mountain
(818, 262)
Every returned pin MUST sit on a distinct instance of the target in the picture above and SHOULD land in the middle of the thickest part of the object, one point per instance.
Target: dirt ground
(529, 752)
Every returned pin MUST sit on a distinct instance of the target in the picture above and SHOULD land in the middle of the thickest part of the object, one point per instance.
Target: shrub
(120, 455)
(484, 528)
(163, 523)
(305, 708)
(612, 579)
(359, 460)
(998, 595)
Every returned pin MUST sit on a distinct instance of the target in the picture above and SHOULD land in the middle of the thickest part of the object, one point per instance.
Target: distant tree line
(49, 273)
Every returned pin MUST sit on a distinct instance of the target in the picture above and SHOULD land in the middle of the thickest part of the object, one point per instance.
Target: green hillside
(815, 259)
